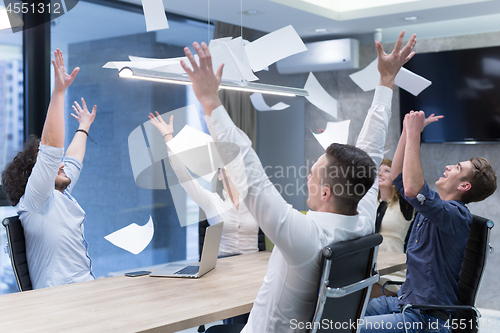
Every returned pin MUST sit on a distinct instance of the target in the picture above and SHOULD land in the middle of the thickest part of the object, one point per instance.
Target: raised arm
(413, 175)
(85, 119)
(203, 197)
(287, 228)
(374, 131)
(42, 179)
(397, 161)
(53, 128)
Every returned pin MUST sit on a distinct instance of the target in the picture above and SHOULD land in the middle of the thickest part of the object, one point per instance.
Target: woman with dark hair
(240, 230)
(394, 216)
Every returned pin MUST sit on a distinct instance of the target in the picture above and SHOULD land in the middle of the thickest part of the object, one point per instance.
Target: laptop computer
(207, 262)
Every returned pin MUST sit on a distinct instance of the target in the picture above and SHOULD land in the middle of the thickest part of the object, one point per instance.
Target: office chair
(345, 289)
(349, 271)
(472, 270)
(17, 252)
(203, 225)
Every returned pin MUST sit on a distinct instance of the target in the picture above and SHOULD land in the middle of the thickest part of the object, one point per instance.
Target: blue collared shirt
(56, 249)
(435, 248)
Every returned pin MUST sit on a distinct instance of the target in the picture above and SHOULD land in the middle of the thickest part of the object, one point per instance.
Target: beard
(62, 182)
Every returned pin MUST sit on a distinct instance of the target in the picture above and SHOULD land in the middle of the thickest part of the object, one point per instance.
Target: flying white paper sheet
(319, 97)
(133, 238)
(190, 138)
(335, 132)
(411, 82)
(154, 13)
(368, 78)
(274, 46)
(234, 69)
(260, 104)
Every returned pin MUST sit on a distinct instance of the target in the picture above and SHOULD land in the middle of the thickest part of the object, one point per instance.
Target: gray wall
(280, 140)
(353, 104)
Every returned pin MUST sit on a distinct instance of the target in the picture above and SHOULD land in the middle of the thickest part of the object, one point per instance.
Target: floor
(490, 321)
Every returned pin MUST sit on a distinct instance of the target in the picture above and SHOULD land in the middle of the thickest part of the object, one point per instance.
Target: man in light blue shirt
(40, 186)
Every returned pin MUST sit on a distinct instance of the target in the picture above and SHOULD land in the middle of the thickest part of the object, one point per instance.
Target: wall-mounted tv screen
(465, 89)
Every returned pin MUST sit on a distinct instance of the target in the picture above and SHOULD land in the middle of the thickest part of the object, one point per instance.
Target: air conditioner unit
(329, 55)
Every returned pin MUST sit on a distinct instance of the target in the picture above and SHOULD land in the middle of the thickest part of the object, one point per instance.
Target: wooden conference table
(140, 304)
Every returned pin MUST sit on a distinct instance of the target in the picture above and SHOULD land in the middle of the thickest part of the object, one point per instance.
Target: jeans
(383, 314)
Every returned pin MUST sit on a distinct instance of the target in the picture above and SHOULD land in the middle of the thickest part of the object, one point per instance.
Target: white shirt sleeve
(41, 182)
(371, 139)
(203, 197)
(291, 231)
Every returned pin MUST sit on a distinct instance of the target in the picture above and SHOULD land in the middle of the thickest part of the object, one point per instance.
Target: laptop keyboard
(189, 270)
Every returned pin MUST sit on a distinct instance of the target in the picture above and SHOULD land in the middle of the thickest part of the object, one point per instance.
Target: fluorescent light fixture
(156, 76)
(320, 30)
(411, 18)
(5, 22)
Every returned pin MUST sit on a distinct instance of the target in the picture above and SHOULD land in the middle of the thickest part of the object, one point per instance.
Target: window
(89, 36)
(11, 133)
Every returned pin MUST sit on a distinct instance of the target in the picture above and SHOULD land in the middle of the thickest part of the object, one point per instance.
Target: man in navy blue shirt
(437, 242)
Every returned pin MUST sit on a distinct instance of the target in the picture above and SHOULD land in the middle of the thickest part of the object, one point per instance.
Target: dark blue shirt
(435, 248)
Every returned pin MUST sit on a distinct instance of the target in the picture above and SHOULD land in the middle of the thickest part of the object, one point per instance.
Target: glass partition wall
(90, 35)
(11, 132)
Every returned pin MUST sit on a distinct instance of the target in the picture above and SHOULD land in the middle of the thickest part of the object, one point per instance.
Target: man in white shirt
(342, 194)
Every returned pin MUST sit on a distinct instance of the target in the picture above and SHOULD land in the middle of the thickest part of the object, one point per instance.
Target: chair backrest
(17, 252)
(472, 270)
(202, 227)
(349, 271)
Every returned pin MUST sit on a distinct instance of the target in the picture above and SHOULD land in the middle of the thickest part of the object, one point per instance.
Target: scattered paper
(274, 46)
(319, 97)
(335, 132)
(369, 77)
(234, 69)
(188, 139)
(133, 238)
(411, 82)
(154, 13)
(260, 104)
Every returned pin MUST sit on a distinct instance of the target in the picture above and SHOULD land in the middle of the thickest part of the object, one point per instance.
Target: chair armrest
(346, 290)
(398, 283)
(439, 307)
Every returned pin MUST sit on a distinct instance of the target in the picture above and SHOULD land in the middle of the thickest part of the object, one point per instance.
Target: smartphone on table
(138, 273)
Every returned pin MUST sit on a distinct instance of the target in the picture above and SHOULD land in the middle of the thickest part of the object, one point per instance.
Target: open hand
(82, 114)
(61, 79)
(390, 64)
(161, 125)
(205, 82)
(432, 118)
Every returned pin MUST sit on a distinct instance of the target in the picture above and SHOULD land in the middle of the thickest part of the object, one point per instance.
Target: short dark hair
(483, 180)
(16, 173)
(350, 173)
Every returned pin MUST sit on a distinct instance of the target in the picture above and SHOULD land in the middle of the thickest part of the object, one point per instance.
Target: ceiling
(434, 18)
